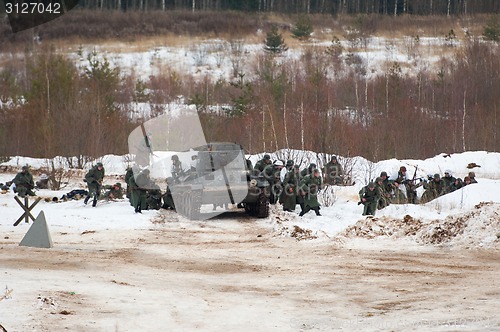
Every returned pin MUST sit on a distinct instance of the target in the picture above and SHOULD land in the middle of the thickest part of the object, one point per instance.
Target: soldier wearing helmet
(176, 169)
(369, 196)
(24, 182)
(433, 189)
(263, 163)
(472, 177)
(333, 172)
(449, 181)
(94, 179)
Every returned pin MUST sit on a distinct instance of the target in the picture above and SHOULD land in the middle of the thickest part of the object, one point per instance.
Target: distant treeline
(386, 7)
(325, 102)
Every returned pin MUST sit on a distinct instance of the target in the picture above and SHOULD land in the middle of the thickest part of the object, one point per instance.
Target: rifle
(368, 200)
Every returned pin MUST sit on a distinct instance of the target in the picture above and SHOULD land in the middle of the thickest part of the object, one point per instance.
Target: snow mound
(477, 228)
(285, 225)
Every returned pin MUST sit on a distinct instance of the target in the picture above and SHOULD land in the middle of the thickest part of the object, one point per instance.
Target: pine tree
(274, 42)
(303, 28)
(492, 30)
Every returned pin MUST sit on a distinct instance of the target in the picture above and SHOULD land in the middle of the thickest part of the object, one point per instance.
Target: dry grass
(172, 28)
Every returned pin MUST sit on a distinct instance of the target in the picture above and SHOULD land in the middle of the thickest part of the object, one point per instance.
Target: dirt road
(237, 274)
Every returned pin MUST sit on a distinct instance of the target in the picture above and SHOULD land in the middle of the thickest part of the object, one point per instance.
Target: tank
(219, 175)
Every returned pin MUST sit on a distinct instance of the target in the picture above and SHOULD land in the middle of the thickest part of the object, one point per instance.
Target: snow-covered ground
(217, 58)
(341, 210)
(113, 269)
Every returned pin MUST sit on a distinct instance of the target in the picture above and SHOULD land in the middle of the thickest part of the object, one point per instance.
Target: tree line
(386, 7)
(326, 101)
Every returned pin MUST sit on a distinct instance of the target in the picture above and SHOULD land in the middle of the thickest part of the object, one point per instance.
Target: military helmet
(312, 165)
(437, 176)
(402, 169)
(289, 162)
(175, 157)
(383, 174)
(278, 163)
(118, 184)
(99, 164)
(378, 179)
(25, 168)
(334, 158)
(267, 157)
(296, 166)
(371, 185)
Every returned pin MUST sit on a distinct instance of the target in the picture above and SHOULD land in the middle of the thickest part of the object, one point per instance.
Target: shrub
(303, 28)
(492, 30)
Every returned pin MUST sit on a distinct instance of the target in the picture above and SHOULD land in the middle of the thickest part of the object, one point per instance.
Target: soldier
(114, 191)
(384, 198)
(128, 175)
(176, 169)
(433, 189)
(333, 172)
(308, 170)
(154, 198)
(409, 185)
(456, 185)
(369, 196)
(168, 200)
(309, 188)
(467, 181)
(275, 181)
(288, 167)
(75, 194)
(291, 186)
(449, 180)
(263, 163)
(43, 182)
(24, 183)
(94, 179)
(385, 189)
(472, 177)
(138, 185)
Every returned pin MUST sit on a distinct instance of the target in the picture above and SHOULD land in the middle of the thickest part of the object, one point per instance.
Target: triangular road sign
(38, 235)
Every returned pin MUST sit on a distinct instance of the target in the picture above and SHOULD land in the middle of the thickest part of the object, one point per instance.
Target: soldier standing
(308, 170)
(291, 186)
(128, 175)
(138, 188)
(384, 189)
(24, 182)
(333, 172)
(94, 179)
(275, 181)
(263, 163)
(309, 188)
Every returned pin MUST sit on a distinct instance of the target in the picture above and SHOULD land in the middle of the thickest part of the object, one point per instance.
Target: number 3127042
(33, 8)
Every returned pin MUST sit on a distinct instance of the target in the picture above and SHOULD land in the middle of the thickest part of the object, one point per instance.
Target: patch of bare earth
(236, 274)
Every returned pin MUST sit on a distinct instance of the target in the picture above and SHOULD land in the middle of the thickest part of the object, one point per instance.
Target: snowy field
(412, 267)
